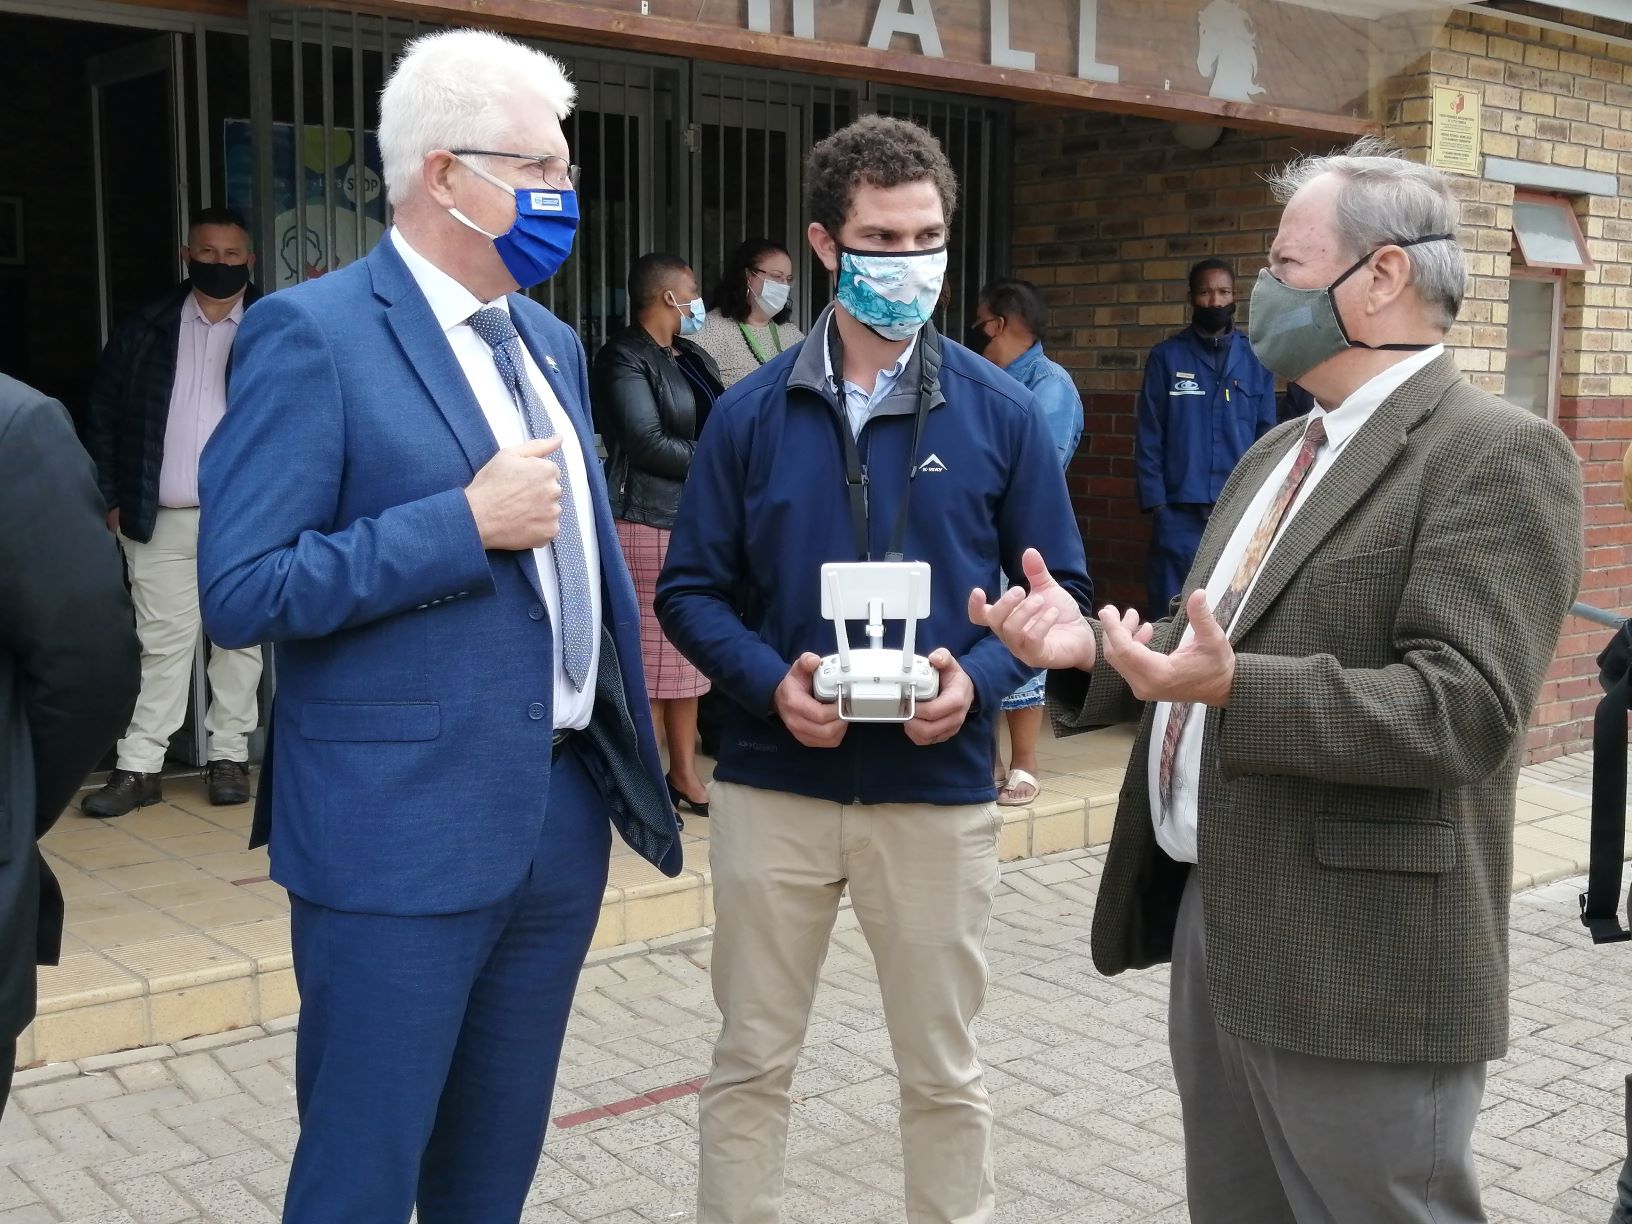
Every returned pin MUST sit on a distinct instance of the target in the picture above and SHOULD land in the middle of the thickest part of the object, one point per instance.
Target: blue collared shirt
(1057, 398)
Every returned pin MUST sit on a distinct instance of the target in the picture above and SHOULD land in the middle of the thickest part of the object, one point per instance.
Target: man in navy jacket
(404, 498)
(1206, 398)
(805, 805)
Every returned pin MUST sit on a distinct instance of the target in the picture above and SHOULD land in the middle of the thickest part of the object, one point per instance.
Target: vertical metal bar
(359, 139)
(325, 66)
(388, 61)
(631, 133)
(964, 238)
(298, 144)
(600, 269)
(100, 191)
(178, 135)
(764, 222)
(985, 128)
(201, 74)
(260, 129)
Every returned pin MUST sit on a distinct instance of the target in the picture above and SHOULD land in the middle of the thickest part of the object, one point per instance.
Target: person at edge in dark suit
(70, 669)
(404, 500)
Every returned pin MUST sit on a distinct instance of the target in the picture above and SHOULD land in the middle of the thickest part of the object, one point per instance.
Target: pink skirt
(668, 674)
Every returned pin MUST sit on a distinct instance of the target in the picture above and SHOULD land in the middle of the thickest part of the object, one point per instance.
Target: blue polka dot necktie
(572, 568)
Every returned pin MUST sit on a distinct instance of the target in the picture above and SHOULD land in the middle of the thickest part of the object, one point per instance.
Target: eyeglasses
(557, 173)
(781, 278)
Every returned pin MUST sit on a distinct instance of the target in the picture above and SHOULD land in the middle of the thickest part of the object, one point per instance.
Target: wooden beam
(593, 25)
(238, 9)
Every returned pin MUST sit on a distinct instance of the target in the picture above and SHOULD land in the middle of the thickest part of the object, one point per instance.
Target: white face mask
(772, 296)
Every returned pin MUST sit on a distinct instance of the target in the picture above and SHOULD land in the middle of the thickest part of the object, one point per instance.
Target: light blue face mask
(892, 293)
(692, 315)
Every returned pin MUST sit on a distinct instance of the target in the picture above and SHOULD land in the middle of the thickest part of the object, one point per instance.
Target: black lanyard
(855, 476)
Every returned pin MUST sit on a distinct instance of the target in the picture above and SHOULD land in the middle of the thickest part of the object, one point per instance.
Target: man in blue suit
(403, 498)
(1205, 400)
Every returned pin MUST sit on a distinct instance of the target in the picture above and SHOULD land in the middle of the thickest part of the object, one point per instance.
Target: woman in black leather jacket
(652, 391)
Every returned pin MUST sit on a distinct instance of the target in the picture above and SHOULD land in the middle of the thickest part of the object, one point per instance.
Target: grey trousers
(1271, 1136)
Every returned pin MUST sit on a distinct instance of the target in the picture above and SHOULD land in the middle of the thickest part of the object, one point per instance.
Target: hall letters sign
(1275, 63)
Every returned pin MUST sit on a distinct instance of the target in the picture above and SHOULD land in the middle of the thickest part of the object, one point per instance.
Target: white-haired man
(1317, 824)
(403, 498)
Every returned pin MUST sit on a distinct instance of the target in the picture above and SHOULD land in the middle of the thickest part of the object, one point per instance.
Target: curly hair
(730, 296)
(879, 152)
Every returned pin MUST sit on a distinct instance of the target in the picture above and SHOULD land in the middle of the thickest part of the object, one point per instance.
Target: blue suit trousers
(1175, 534)
(428, 1045)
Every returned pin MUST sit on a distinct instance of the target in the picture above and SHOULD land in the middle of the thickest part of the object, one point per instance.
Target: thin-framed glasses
(557, 173)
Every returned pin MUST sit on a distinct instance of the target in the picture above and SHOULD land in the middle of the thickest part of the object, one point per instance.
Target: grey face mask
(1293, 330)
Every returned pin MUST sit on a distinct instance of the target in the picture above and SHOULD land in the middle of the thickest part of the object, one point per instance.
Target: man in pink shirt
(160, 391)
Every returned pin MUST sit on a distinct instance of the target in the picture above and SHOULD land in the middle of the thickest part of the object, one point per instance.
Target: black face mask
(977, 338)
(1213, 319)
(220, 281)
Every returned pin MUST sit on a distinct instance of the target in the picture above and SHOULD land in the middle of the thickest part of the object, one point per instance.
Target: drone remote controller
(872, 683)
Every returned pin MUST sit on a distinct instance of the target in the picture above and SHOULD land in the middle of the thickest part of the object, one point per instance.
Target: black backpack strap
(1601, 903)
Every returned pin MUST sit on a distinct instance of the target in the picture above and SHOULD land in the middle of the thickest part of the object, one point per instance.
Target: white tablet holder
(871, 683)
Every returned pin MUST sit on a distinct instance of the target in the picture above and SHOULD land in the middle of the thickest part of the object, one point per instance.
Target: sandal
(1017, 782)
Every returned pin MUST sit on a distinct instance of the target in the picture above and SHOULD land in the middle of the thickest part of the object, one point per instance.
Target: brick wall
(1109, 212)
(1564, 100)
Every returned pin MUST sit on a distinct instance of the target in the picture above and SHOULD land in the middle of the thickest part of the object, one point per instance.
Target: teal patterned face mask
(893, 293)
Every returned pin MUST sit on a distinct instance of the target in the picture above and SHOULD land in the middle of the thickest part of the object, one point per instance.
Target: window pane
(1548, 234)
(1530, 343)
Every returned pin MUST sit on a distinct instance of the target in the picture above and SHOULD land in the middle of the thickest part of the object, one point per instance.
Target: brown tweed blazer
(1356, 797)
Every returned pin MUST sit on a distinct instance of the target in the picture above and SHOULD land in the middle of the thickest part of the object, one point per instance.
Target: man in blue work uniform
(1205, 400)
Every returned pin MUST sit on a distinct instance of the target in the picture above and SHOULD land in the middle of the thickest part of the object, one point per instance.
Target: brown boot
(228, 782)
(122, 792)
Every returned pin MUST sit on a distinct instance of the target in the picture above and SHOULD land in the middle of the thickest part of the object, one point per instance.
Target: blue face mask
(893, 293)
(535, 247)
(692, 315)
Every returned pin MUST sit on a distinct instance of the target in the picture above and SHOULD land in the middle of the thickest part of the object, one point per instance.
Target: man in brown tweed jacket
(1317, 824)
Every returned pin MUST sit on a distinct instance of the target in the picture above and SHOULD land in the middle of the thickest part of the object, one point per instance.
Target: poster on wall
(321, 169)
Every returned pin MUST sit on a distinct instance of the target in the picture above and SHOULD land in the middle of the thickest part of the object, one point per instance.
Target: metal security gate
(748, 137)
(970, 130)
(684, 157)
(317, 197)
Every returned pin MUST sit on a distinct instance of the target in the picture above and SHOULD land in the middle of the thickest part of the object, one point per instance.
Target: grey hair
(460, 89)
(1384, 199)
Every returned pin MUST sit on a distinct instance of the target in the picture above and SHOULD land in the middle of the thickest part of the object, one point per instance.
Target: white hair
(459, 89)
(1385, 198)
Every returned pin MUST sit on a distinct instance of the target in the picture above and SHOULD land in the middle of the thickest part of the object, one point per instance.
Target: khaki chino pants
(164, 588)
(921, 880)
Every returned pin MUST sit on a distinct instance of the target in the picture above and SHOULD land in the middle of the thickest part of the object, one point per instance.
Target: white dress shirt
(198, 398)
(1177, 834)
(453, 304)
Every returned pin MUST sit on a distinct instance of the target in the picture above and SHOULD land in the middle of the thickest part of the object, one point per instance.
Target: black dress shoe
(121, 793)
(228, 782)
(676, 798)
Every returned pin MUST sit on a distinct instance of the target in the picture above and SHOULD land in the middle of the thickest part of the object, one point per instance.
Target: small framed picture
(11, 231)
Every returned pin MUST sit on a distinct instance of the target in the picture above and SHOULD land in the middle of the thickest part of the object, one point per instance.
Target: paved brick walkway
(1088, 1125)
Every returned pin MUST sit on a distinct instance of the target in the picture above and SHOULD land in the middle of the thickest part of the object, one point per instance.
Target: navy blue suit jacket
(409, 768)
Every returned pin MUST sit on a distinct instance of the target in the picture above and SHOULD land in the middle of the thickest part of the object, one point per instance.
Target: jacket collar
(1352, 477)
(810, 374)
(1020, 369)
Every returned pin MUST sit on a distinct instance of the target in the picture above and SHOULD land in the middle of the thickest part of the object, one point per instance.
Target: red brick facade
(1110, 211)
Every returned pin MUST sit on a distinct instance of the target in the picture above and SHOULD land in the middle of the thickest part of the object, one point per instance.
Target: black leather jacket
(646, 413)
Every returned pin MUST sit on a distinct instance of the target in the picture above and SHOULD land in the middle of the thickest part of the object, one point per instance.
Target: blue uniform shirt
(1203, 403)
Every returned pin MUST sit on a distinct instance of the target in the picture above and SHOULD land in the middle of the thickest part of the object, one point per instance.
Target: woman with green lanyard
(746, 326)
(747, 323)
